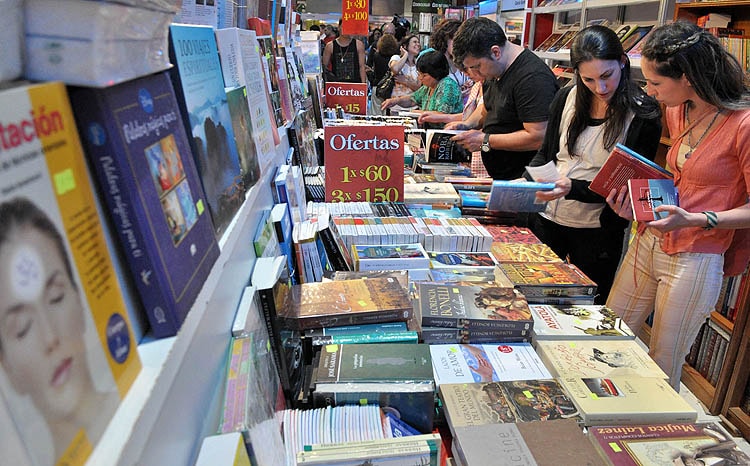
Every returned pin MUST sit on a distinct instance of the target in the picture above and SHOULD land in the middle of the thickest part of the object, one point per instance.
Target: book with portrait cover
(199, 86)
(517, 196)
(597, 358)
(58, 281)
(523, 252)
(479, 306)
(623, 164)
(346, 302)
(646, 195)
(667, 443)
(140, 156)
(557, 322)
(626, 400)
(542, 279)
(441, 149)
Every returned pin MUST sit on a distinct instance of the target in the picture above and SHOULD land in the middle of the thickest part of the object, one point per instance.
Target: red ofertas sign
(355, 18)
(351, 96)
(364, 163)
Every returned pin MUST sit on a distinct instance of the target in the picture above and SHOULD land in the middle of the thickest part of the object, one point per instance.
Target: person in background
(389, 28)
(403, 66)
(386, 48)
(518, 88)
(346, 57)
(604, 107)
(438, 91)
(372, 41)
(441, 39)
(676, 264)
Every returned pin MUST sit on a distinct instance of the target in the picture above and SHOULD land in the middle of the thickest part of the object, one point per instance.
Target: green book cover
(394, 362)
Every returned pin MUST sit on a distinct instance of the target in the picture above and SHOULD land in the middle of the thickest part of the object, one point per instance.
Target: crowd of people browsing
(513, 113)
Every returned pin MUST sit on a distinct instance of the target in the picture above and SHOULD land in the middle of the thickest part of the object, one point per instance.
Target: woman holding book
(677, 263)
(604, 107)
(43, 352)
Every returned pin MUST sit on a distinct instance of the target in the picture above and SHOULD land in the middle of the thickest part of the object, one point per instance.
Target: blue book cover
(140, 155)
(282, 223)
(199, 86)
(646, 195)
(517, 196)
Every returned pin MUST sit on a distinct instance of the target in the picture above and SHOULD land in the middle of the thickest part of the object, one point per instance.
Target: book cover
(625, 30)
(287, 107)
(141, 159)
(474, 198)
(646, 195)
(242, 125)
(540, 279)
(523, 252)
(547, 43)
(578, 322)
(512, 234)
(565, 39)
(447, 336)
(346, 302)
(623, 164)
(430, 193)
(476, 404)
(401, 275)
(223, 450)
(551, 443)
(282, 224)
(461, 259)
(627, 400)
(389, 257)
(636, 36)
(486, 363)
(517, 196)
(481, 306)
(441, 149)
(469, 274)
(57, 280)
(265, 241)
(267, 52)
(199, 86)
(597, 358)
(635, 51)
(667, 443)
(339, 256)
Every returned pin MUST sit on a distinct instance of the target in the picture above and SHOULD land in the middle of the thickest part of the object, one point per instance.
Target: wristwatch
(486, 143)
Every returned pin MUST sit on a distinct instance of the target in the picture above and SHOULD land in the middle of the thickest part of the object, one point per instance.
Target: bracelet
(711, 219)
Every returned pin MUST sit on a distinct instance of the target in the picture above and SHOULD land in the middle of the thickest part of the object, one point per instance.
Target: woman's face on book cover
(41, 324)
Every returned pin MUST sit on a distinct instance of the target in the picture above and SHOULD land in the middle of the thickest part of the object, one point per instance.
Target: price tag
(355, 18)
(364, 163)
(351, 96)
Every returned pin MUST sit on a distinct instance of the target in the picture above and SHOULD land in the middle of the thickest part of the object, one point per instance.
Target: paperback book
(517, 196)
(647, 195)
(389, 257)
(555, 322)
(440, 147)
(152, 191)
(541, 279)
(523, 252)
(431, 193)
(623, 164)
(448, 336)
(461, 259)
(512, 234)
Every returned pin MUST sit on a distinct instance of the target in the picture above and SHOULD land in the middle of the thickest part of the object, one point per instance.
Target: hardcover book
(441, 149)
(597, 358)
(480, 306)
(486, 363)
(68, 351)
(667, 443)
(517, 196)
(555, 322)
(523, 252)
(623, 164)
(476, 404)
(152, 191)
(646, 195)
(627, 400)
(542, 279)
(346, 302)
(389, 257)
(199, 86)
(552, 443)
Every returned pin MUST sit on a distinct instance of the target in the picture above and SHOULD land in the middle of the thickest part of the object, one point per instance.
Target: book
(199, 86)
(667, 443)
(414, 452)
(547, 43)
(528, 443)
(578, 322)
(386, 332)
(469, 274)
(476, 404)
(265, 242)
(402, 276)
(565, 39)
(223, 450)
(480, 306)
(339, 257)
(627, 400)
(461, 259)
(312, 260)
(430, 193)
(398, 376)
(597, 358)
(469, 363)
(523, 252)
(346, 302)
(541, 279)
(512, 234)
(447, 336)
(623, 164)
(389, 257)
(59, 282)
(635, 51)
(517, 196)
(646, 195)
(282, 224)
(441, 149)
(624, 31)
(141, 159)
(638, 34)
(242, 125)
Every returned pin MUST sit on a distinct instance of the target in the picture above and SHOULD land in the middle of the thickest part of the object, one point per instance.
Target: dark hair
(602, 43)
(387, 46)
(434, 63)
(404, 42)
(475, 37)
(444, 30)
(716, 75)
(314, 27)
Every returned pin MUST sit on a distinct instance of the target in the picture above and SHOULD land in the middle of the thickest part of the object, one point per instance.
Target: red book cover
(624, 164)
(512, 234)
(646, 195)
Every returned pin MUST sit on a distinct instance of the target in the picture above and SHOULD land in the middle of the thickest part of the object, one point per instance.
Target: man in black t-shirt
(518, 89)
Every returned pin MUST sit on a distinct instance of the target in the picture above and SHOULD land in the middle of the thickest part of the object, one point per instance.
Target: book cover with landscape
(517, 196)
(242, 125)
(623, 164)
(556, 322)
(199, 86)
(141, 158)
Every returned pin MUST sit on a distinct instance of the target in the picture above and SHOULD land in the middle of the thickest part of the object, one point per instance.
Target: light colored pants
(681, 289)
(375, 103)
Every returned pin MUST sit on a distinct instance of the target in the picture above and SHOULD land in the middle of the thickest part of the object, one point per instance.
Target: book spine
(518, 328)
(374, 317)
(335, 256)
(531, 291)
(407, 336)
(268, 308)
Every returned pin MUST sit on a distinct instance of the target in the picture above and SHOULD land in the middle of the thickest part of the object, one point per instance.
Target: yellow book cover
(67, 351)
